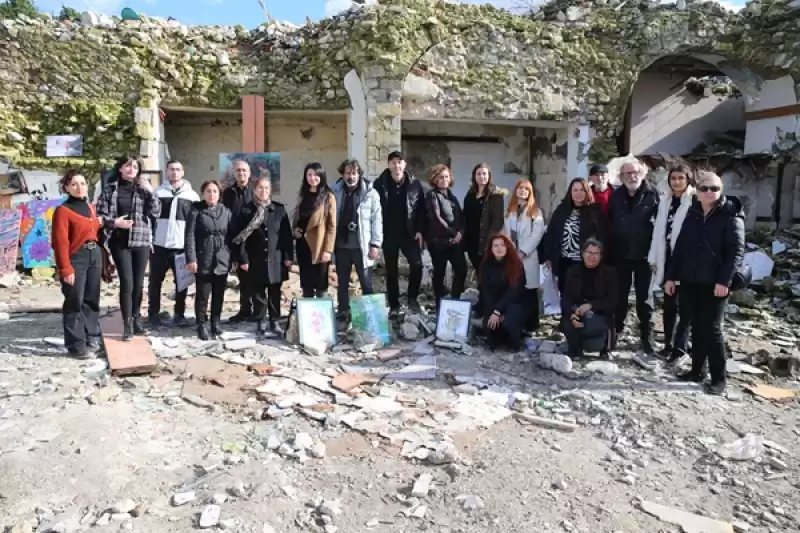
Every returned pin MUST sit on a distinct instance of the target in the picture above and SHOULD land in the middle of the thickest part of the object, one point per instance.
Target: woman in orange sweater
(79, 262)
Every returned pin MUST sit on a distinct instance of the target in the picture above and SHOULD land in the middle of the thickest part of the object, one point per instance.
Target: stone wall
(575, 60)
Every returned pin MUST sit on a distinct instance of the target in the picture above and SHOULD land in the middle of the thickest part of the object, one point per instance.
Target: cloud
(334, 7)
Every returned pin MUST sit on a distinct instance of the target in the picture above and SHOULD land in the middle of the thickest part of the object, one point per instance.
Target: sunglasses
(707, 188)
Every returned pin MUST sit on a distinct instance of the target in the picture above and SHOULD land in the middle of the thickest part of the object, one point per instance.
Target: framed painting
(452, 324)
(36, 231)
(266, 164)
(370, 314)
(315, 321)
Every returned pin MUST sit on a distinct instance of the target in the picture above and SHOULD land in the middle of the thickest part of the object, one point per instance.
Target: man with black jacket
(235, 198)
(403, 206)
(632, 211)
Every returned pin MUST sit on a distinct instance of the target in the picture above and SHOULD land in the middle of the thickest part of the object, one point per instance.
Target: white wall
(669, 119)
(356, 118)
(761, 133)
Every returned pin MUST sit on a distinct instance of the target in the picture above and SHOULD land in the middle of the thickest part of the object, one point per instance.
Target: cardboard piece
(689, 523)
(217, 382)
(772, 393)
(125, 358)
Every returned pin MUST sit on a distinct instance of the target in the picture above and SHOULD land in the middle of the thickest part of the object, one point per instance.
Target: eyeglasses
(709, 188)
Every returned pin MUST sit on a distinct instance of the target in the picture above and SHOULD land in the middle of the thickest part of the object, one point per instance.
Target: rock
(210, 516)
(268, 529)
(219, 498)
(466, 388)
(21, 527)
(303, 441)
(273, 442)
(318, 450)
(740, 526)
(777, 464)
(560, 484)
(104, 520)
(237, 489)
(768, 517)
(238, 345)
(329, 508)
(602, 367)
(470, 502)
(139, 510)
(182, 498)
(15, 137)
(422, 485)
(124, 506)
(555, 361)
(409, 331)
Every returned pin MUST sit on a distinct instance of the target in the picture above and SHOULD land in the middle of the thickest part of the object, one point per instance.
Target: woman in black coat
(502, 286)
(576, 219)
(208, 256)
(264, 247)
(707, 255)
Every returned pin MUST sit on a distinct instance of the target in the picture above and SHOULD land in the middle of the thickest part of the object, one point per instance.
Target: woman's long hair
(586, 188)
(531, 209)
(473, 186)
(512, 267)
(322, 188)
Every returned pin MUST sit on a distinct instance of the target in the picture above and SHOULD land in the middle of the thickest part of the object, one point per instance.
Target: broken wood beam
(546, 422)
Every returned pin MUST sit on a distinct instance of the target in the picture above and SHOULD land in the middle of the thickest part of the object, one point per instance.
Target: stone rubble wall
(575, 60)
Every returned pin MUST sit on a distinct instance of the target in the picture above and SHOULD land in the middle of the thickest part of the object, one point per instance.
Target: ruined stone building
(538, 98)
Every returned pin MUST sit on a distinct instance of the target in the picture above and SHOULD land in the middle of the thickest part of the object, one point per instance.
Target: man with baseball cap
(598, 177)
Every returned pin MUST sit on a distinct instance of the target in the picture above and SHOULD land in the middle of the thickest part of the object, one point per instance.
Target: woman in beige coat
(524, 225)
(314, 231)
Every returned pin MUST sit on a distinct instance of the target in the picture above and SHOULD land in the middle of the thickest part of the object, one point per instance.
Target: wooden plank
(258, 124)
(125, 358)
(248, 124)
(774, 112)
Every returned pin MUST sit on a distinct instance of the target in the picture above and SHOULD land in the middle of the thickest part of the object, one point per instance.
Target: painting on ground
(9, 240)
(262, 164)
(315, 322)
(370, 315)
(453, 320)
(36, 231)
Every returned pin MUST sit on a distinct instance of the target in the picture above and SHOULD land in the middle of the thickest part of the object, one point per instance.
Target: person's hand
(669, 288)
(576, 323)
(298, 233)
(373, 252)
(494, 321)
(418, 238)
(326, 257)
(244, 268)
(549, 265)
(192, 268)
(69, 280)
(720, 291)
(287, 263)
(123, 223)
(145, 184)
(582, 310)
(457, 238)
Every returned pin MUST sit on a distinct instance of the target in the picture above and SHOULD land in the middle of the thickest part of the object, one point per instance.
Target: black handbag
(742, 276)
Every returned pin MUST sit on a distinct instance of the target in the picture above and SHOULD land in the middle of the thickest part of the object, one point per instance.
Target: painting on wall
(9, 240)
(452, 323)
(64, 146)
(315, 322)
(262, 164)
(36, 231)
(371, 315)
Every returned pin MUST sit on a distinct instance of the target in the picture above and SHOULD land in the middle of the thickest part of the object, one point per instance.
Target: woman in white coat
(677, 195)
(524, 225)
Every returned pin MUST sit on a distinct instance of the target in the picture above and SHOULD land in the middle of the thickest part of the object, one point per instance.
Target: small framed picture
(315, 321)
(453, 321)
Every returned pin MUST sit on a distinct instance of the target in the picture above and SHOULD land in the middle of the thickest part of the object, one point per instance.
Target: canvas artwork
(36, 231)
(261, 164)
(452, 324)
(64, 146)
(9, 239)
(183, 277)
(371, 315)
(315, 321)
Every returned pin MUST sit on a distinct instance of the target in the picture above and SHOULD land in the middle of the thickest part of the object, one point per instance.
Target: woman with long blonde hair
(524, 225)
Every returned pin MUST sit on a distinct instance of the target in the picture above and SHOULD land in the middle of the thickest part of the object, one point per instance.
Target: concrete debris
(125, 506)
(689, 523)
(747, 448)
(182, 498)
(422, 485)
(555, 361)
(210, 516)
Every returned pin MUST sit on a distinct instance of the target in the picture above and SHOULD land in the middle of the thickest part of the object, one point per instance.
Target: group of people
(598, 242)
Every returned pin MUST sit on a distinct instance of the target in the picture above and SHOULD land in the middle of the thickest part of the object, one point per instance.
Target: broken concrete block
(182, 498)
(210, 516)
(602, 367)
(422, 485)
(318, 450)
(556, 362)
(124, 506)
(409, 331)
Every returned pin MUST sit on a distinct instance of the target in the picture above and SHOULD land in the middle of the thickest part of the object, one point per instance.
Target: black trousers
(637, 272)
(576, 342)
(313, 278)
(81, 309)
(209, 286)
(391, 255)
(705, 313)
(248, 303)
(131, 265)
(346, 259)
(564, 264)
(161, 261)
(676, 328)
(531, 300)
(440, 256)
(268, 298)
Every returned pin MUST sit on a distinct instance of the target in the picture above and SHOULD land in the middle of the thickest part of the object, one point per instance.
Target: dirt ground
(75, 444)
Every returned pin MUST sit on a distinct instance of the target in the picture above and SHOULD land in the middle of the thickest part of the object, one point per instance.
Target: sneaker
(138, 327)
(240, 317)
(80, 352)
(179, 321)
(154, 322)
(716, 389)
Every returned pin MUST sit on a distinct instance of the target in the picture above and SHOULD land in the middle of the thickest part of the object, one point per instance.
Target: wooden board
(125, 358)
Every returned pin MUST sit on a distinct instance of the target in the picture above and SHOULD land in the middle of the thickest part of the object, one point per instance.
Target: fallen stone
(210, 516)
(303, 441)
(124, 506)
(741, 527)
(318, 450)
(422, 485)
(219, 498)
(409, 331)
(139, 510)
(329, 508)
(602, 367)
(273, 442)
(689, 523)
(556, 362)
(22, 527)
(237, 489)
(470, 502)
(120, 517)
(776, 463)
(182, 498)
(268, 529)
(104, 520)
(560, 484)
(545, 422)
(238, 345)
(466, 388)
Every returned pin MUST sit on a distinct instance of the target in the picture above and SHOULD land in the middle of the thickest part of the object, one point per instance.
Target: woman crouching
(208, 256)
(502, 286)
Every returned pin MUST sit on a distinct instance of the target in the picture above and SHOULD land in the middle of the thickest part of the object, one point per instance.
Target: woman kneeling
(502, 285)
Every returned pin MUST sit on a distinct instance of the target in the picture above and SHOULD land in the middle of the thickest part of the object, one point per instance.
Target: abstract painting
(261, 164)
(452, 323)
(9, 240)
(36, 232)
(315, 321)
(370, 315)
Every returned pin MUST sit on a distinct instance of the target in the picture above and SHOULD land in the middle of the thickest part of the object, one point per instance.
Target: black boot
(647, 339)
(202, 332)
(215, 331)
(138, 327)
(261, 329)
(127, 330)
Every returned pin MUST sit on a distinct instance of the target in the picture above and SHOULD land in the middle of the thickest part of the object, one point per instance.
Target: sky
(245, 12)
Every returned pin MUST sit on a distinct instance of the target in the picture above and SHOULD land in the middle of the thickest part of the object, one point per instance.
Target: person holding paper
(208, 256)
(127, 206)
(76, 231)
(177, 201)
(263, 246)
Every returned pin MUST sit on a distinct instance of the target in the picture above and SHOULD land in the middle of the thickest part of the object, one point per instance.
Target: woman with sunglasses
(708, 253)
